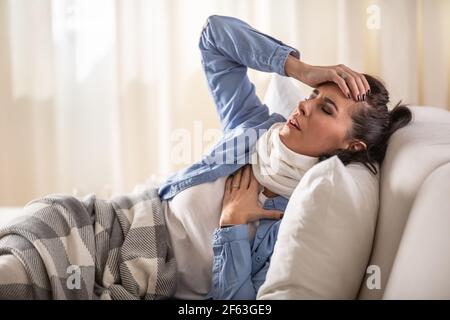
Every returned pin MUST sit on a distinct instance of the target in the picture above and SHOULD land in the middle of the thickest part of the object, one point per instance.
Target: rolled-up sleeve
(229, 46)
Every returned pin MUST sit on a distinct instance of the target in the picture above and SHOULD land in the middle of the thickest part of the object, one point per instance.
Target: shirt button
(258, 259)
(260, 235)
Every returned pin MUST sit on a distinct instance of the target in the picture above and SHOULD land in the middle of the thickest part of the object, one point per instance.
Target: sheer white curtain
(98, 96)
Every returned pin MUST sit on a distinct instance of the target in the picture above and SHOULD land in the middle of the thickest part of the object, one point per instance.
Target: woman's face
(320, 124)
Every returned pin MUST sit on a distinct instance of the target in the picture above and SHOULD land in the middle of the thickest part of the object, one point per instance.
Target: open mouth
(294, 124)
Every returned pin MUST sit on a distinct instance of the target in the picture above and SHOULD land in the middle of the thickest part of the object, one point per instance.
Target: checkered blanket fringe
(88, 248)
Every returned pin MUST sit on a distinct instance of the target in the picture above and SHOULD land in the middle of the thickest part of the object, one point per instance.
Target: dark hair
(373, 124)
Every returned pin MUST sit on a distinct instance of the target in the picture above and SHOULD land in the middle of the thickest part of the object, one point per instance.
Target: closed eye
(324, 109)
(322, 106)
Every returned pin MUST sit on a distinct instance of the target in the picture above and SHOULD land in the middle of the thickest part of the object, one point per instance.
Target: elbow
(214, 22)
(209, 30)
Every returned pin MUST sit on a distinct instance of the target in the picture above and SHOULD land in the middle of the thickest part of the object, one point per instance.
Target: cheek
(327, 135)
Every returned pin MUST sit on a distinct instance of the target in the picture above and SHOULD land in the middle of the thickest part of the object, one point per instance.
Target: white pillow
(325, 237)
(283, 95)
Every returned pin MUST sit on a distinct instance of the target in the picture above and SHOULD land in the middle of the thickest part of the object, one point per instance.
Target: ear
(356, 145)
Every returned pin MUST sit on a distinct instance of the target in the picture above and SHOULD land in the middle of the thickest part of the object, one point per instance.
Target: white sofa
(412, 239)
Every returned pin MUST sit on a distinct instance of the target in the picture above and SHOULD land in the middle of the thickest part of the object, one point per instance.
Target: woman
(123, 248)
(346, 115)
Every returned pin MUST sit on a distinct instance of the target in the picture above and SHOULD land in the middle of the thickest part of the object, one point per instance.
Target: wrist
(301, 70)
(226, 220)
(295, 68)
(290, 65)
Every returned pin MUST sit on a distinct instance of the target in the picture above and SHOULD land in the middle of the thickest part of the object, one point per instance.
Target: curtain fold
(95, 96)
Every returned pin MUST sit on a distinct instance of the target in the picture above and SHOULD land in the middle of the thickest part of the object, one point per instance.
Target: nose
(304, 108)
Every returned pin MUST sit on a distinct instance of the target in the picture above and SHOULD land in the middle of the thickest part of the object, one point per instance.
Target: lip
(292, 123)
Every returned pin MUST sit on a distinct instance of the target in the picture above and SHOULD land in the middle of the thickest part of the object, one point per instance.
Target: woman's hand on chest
(240, 200)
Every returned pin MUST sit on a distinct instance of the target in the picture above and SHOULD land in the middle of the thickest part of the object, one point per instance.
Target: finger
(353, 87)
(341, 83)
(254, 184)
(228, 184)
(361, 88)
(363, 85)
(236, 183)
(361, 81)
(359, 84)
(351, 83)
(366, 86)
(245, 181)
(270, 214)
(358, 80)
(366, 83)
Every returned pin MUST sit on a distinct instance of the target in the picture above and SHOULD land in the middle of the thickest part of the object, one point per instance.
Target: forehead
(332, 91)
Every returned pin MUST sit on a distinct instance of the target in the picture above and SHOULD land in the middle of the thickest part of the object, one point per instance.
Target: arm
(228, 47)
(232, 265)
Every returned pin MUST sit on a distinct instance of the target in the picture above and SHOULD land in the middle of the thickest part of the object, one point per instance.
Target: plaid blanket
(70, 248)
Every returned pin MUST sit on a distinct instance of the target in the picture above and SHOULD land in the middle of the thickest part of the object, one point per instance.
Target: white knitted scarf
(275, 166)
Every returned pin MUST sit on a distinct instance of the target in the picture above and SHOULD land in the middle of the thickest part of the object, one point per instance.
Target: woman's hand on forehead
(352, 83)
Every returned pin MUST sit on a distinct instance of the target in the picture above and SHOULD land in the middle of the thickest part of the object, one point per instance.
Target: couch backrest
(412, 191)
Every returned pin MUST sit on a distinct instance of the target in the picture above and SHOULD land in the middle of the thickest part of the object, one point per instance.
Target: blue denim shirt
(228, 47)
(240, 265)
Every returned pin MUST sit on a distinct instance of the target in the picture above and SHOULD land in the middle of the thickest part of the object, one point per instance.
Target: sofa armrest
(421, 266)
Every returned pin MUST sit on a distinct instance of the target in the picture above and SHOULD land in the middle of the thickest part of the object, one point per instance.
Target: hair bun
(399, 117)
